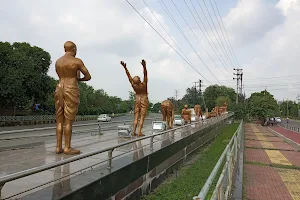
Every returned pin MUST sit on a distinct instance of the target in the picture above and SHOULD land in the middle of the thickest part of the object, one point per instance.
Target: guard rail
(224, 184)
(109, 150)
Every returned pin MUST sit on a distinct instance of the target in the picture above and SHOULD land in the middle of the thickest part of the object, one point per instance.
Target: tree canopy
(24, 82)
(23, 76)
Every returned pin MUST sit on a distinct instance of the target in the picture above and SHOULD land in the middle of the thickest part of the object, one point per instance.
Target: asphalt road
(32, 138)
(9, 128)
(119, 118)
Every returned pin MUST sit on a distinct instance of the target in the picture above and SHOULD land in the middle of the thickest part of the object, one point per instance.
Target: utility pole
(176, 94)
(241, 90)
(200, 85)
(238, 78)
(298, 98)
(176, 97)
(195, 95)
(287, 107)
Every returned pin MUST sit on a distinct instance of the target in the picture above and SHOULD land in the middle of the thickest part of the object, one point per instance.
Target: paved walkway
(271, 165)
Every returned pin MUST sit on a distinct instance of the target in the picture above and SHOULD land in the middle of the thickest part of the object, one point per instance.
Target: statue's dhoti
(66, 101)
(186, 118)
(141, 104)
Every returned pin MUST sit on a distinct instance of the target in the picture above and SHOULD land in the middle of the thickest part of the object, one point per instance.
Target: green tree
(222, 99)
(156, 107)
(213, 92)
(262, 104)
(23, 77)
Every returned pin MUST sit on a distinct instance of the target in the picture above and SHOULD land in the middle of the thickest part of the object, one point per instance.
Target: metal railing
(224, 184)
(290, 126)
(197, 126)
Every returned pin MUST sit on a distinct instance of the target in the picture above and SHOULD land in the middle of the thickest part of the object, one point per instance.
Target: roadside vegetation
(192, 178)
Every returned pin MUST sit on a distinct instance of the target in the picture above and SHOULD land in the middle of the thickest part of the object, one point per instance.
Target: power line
(212, 44)
(166, 41)
(264, 78)
(212, 30)
(195, 35)
(171, 16)
(166, 30)
(217, 33)
(222, 31)
(226, 33)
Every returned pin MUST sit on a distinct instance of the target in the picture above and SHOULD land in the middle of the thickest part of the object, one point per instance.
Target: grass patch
(191, 180)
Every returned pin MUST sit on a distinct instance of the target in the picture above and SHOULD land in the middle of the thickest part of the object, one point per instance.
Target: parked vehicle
(278, 119)
(104, 118)
(178, 120)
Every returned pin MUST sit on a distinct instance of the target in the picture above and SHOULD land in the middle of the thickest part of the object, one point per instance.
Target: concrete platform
(41, 153)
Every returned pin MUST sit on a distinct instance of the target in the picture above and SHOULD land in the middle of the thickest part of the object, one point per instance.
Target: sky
(212, 36)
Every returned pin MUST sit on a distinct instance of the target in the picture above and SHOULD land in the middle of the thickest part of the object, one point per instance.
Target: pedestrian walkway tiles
(262, 182)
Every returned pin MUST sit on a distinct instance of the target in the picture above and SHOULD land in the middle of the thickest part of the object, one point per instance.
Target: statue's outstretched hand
(143, 63)
(123, 64)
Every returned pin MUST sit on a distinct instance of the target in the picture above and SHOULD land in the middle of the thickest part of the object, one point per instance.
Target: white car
(193, 118)
(104, 118)
(178, 120)
(278, 119)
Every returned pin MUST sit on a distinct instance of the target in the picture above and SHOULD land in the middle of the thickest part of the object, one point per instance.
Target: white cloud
(264, 35)
(276, 51)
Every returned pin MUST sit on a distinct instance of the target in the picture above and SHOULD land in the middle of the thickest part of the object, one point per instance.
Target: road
(9, 128)
(23, 140)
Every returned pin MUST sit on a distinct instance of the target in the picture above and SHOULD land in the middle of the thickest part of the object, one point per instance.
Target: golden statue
(167, 109)
(225, 106)
(186, 114)
(198, 111)
(141, 97)
(66, 95)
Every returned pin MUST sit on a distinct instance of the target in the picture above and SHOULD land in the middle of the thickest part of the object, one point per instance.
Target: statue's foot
(71, 151)
(59, 150)
(140, 135)
(133, 134)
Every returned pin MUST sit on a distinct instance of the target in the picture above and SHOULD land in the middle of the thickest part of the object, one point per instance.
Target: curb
(288, 140)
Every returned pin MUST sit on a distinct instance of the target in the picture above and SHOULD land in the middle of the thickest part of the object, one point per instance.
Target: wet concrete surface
(86, 127)
(22, 159)
(119, 118)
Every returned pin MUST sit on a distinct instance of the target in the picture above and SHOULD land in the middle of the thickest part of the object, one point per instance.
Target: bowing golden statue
(141, 97)
(66, 95)
(186, 114)
(167, 109)
(198, 110)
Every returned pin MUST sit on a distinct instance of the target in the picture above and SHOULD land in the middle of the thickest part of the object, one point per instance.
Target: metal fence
(290, 126)
(189, 128)
(224, 185)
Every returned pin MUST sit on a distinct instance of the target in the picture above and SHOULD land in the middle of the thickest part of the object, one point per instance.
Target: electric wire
(211, 43)
(213, 31)
(217, 32)
(226, 34)
(196, 36)
(223, 34)
(166, 41)
(171, 16)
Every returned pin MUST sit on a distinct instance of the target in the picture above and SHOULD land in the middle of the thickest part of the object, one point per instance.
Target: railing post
(151, 143)
(99, 129)
(1, 186)
(109, 161)
(228, 159)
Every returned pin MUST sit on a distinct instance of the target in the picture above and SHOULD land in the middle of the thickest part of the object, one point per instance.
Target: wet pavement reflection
(22, 159)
